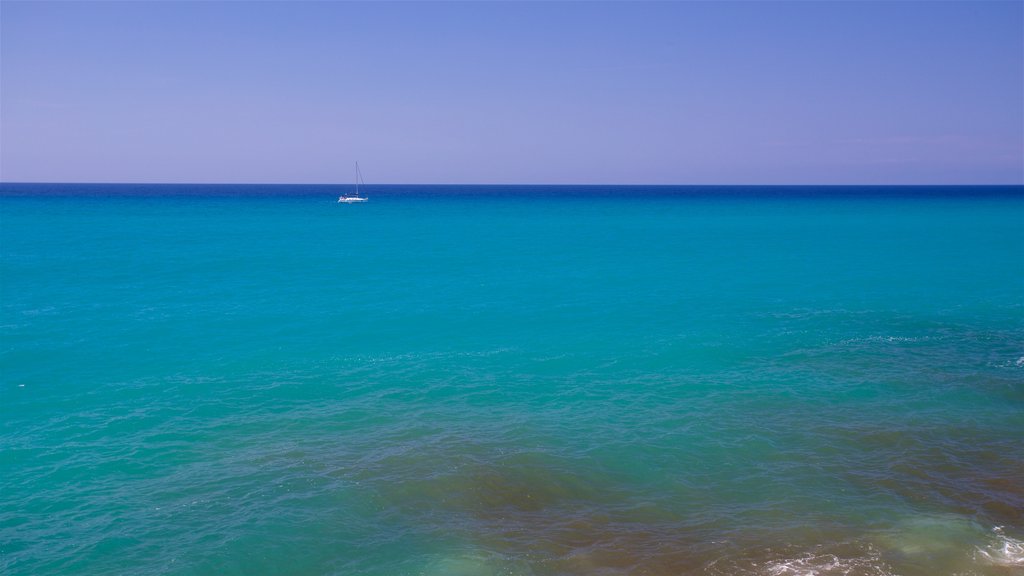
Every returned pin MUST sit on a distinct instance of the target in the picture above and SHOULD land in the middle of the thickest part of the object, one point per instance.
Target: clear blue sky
(490, 92)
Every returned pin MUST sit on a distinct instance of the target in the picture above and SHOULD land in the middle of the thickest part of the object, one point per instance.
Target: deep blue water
(511, 380)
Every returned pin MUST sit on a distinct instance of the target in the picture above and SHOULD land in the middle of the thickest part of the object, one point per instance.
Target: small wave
(1004, 551)
(801, 313)
(426, 356)
(44, 311)
(852, 560)
(886, 339)
(1020, 362)
(826, 565)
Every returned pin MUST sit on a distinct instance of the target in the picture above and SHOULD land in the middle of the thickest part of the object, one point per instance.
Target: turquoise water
(461, 380)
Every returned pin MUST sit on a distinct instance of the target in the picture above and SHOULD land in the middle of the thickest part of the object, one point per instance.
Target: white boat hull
(346, 199)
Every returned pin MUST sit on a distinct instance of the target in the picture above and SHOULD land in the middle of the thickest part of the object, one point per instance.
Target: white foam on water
(1020, 362)
(1003, 551)
(882, 339)
(949, 540)
(827, 565)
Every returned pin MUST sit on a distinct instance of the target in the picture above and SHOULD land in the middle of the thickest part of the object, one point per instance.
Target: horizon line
(334, 184)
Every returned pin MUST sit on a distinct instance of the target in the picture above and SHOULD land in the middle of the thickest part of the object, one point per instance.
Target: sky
(830, 92)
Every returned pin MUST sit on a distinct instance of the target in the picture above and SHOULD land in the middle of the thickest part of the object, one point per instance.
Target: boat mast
(359, 178)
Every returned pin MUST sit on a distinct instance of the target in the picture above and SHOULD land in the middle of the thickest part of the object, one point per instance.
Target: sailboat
(346, 199)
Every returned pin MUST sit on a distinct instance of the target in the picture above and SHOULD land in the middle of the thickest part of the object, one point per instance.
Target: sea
(511, 380)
